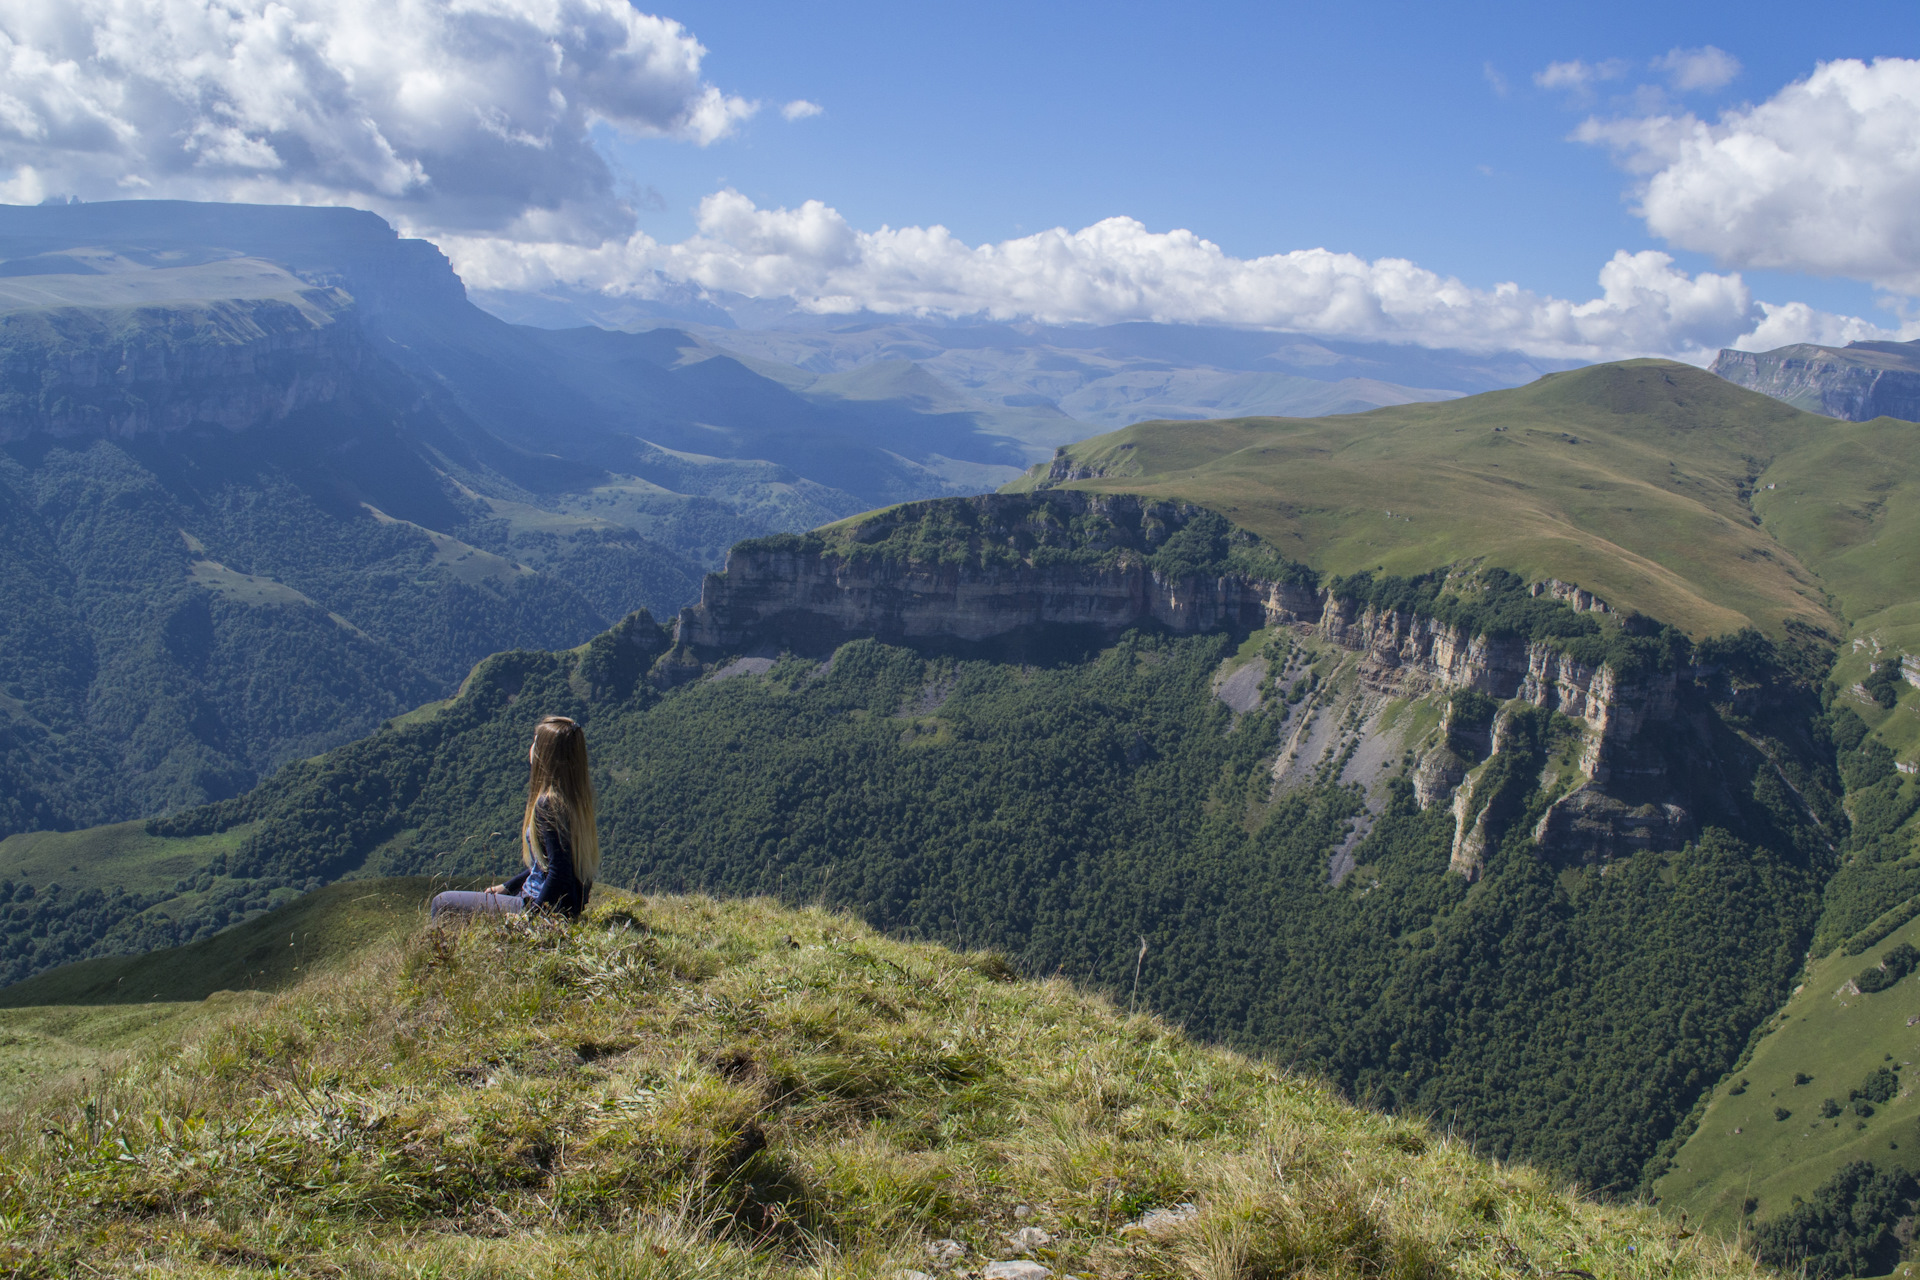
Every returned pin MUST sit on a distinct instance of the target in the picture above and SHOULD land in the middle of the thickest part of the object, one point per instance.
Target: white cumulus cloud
(444, 114)
(801, 109)
(1119, 270)
(1823, 177)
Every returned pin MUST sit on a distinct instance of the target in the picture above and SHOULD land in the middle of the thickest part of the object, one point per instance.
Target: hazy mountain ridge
(1858, 382)
(1023, 376)
(274, 479)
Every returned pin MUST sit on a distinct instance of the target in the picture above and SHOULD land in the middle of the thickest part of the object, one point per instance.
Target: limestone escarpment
(1859, 381)
(974, 571)
(1012, 564)
(805, 600)
(120, 372)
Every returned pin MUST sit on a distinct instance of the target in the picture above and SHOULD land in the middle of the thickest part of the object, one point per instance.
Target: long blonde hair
(559, 776)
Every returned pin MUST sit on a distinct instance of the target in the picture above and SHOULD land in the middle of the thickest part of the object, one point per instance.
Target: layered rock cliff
(994, 567)
(999, 568)
(121, 371)
(1859, 381)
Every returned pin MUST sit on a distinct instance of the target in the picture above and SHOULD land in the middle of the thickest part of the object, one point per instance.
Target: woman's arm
(512, 886)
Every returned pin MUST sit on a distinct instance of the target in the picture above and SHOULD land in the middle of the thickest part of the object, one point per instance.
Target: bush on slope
(679, 1087)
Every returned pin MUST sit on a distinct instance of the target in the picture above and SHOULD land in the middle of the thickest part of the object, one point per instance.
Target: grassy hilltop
(1641, 481)
(678, 1088)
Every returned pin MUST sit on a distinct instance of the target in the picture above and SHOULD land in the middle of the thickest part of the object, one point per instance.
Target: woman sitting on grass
(558, 842)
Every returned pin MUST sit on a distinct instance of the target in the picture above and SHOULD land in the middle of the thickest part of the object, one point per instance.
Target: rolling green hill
(1634, 480)
(678, 1087)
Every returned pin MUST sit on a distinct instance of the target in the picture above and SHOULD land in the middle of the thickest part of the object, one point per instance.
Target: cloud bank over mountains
(473, 122)
(1118, 270)
(472, 116)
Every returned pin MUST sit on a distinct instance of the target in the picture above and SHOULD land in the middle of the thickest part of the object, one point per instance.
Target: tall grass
(677, 1087)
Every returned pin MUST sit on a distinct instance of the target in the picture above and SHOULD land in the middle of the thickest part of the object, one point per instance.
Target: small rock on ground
(946, 1253)
(1017, 1270)
(1027, 1239)
(1154, 1221)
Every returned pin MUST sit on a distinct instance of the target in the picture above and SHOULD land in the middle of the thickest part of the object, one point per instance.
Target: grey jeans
(478, 903)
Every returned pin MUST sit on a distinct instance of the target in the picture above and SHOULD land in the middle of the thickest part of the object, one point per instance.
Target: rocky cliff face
(1859, 381)
(233, 363)
(1406, 654)
(810, 594)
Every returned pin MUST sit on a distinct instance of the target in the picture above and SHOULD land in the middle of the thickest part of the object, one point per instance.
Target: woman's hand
(495, 888)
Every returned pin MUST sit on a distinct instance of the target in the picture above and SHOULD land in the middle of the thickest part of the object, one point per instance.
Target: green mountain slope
(267, 479)
(1631, 479)
(678, 1087)
(1659, 487)
(1828, 1042)
(1062, 811)
(80, 1016)
(267, 953)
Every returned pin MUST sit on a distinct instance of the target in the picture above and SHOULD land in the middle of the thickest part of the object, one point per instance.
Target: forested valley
(1066, 809)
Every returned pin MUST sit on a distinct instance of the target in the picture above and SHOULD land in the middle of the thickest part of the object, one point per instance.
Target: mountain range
(270, 478)
(1538, 758)
(1051, 384)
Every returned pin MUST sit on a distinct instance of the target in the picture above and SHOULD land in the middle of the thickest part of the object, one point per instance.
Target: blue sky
(1649, 179)
(1370, 128)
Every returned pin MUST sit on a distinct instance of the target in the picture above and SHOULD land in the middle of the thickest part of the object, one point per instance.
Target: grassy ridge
(79, 1016)
(678, 1088)
(1630, 479)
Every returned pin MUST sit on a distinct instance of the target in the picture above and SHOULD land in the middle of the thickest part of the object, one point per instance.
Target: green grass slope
(263, 954)
(40, 1045)
(682, 1088)
(1834, 1037)
(78, 1016)
(121, 855)
(1849, 504)
(1631, 479)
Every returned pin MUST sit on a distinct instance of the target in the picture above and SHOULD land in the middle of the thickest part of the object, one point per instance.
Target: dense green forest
(1848, 1227)
(181, 616)
(1878, 870)
(1063, 812)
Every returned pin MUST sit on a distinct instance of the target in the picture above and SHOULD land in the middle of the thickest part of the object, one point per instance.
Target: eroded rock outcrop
(233, 363)
(1001, 566)
(1007, 578)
